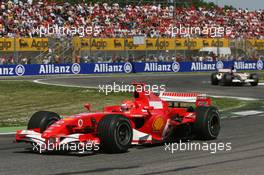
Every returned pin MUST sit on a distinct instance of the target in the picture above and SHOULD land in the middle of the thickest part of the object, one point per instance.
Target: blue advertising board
(134, 67)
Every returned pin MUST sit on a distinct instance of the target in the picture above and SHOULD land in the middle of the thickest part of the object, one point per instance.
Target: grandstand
(124, 19)
(150, 20)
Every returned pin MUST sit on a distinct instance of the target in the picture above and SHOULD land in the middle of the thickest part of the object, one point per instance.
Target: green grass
(20, 99)
(226, 104)
(11, 129)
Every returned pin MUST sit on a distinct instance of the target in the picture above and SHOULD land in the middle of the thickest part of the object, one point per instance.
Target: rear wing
(224, 70)
(199, 99)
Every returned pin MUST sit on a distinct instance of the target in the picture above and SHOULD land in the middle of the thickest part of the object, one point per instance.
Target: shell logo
(158, 124)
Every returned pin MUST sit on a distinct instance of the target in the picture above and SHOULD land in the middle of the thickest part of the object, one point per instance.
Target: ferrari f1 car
(231, 77)
(148, 119)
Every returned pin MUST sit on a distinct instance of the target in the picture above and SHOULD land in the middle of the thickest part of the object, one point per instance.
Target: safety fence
(127, 67)
(83, 50)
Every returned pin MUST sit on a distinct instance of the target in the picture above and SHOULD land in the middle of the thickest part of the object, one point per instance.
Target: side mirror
(88, 106)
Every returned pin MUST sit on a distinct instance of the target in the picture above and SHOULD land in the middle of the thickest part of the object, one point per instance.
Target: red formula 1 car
(149, 118)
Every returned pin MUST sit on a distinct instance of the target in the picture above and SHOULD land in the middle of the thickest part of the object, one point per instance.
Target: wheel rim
(214, 124)
(123, 134)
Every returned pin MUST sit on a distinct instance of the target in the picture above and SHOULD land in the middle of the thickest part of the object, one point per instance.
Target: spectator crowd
(22, 18)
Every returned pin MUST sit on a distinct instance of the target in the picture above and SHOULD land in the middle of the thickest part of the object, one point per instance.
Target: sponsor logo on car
(80, 122)
(158, 124)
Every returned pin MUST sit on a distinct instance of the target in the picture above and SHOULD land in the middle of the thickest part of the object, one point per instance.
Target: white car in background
(231, 77)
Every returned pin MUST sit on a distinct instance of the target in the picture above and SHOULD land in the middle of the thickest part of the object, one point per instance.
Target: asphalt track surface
(173, 82)
(245, 135)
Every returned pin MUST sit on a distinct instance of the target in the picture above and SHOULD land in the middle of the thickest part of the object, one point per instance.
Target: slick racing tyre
(255, 78)
(42, 120)
(214, 79)
(115, 133)
(226, 80)
(207, 125)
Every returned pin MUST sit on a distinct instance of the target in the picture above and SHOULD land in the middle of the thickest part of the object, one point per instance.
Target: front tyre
(255, 78)
(115, 133)
(214, 79)
(207, 125)
(42, 120)
(226, 80)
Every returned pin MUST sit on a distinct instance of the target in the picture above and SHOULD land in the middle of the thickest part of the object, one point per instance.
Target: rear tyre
(214, 79)
(255, 78)
(207, 125)
(42, 120)
(227, 79)
(115, 133)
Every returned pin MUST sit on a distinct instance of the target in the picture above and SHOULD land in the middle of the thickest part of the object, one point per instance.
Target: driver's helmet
(233, 69)
(127, 105)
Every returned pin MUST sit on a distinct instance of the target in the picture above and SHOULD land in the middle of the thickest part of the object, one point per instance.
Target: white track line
(63, 85)
(239, 98)
(8, 133)
(156, 74)
(129, 75)
(248, 112)
(39, 81)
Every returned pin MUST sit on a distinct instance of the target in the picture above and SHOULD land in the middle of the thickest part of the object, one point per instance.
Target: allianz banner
(23, 44)
(196, 66)
(135, 67)
(49, 69)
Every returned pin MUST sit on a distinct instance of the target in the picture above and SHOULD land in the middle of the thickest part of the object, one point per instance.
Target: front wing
(35, 138)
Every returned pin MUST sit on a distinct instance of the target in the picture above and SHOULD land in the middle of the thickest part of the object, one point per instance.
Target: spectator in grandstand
(24, 60)
(23, 19)
(2, 61)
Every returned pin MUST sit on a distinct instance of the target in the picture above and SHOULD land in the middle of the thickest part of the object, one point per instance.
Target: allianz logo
(158, 67)
(248, 66)
(58, 69)
(196, 66)
(112, 68)
(19, 70)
